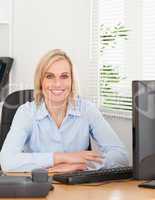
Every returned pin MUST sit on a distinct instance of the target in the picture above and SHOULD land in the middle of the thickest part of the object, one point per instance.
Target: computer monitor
(143, 96)
(5, 67)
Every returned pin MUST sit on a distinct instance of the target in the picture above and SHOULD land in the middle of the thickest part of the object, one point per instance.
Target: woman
(54, 130)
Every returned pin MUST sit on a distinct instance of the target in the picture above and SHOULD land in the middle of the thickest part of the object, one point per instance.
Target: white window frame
(135, 62)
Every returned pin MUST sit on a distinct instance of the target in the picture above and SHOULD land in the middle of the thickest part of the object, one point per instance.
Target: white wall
(4, 39)
(5, 10)
(123, 127)
(39, 26)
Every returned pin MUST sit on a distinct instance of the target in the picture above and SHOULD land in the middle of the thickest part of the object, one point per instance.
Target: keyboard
(94, 176)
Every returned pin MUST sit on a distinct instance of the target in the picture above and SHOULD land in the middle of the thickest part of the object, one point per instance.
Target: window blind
(110, 33)
(93, 79)
(113, 80)
(115, 61)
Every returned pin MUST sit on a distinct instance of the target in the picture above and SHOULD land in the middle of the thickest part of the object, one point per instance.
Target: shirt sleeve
(113, 151)
(12, 156)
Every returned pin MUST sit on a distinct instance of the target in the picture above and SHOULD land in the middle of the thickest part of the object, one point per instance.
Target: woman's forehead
(58, 65)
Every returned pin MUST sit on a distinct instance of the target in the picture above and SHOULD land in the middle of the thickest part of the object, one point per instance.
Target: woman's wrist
(59, 157)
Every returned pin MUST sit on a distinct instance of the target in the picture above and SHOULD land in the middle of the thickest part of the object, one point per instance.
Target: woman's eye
(64, 76)
(49, 76)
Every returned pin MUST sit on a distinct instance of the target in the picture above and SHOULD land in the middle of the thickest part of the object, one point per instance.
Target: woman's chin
(57, 100)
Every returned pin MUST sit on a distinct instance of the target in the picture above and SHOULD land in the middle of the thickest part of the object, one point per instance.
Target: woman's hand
(65, 167)
(77, 157)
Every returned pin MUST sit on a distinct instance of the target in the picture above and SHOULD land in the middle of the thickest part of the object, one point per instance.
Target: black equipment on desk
(143, 120)
(148, 184)
(93, 176)
(22, 187)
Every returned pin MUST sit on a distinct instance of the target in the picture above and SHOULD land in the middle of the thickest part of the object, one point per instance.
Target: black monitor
(143, 96)
(5, 67)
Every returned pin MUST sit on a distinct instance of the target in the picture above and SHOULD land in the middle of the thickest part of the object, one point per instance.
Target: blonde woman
(54, 130)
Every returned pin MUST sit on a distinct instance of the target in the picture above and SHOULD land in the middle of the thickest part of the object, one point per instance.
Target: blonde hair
(54, 55)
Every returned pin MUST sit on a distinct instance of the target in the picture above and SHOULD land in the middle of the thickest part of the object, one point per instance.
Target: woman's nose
(57, 82)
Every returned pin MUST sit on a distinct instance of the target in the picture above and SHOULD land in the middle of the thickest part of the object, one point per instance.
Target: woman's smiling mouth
(57, 92)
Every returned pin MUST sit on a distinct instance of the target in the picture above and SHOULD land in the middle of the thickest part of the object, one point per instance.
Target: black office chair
(11, 103)
(5, 67)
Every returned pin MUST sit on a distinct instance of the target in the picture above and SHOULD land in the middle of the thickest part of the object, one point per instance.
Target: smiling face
(57, 82)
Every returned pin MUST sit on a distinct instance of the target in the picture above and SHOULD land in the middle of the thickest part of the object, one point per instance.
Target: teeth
(57, 92)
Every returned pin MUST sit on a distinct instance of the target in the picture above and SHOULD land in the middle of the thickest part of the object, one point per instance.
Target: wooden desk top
(125, 190)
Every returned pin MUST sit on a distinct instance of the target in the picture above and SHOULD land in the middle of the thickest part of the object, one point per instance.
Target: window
(122, 48)
(112, 67)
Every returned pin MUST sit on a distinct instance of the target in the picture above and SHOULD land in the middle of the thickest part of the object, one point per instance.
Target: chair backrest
(11, 103)
(5, 67)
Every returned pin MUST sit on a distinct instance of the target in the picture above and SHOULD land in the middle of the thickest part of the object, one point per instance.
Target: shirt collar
(42, 111)
(73, 110)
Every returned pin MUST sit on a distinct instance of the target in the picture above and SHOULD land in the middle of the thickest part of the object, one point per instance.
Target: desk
(125, 190)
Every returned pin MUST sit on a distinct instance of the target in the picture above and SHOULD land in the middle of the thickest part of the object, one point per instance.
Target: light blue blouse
(34, 137)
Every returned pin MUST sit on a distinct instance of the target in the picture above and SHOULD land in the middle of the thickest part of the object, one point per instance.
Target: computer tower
(143, 103)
